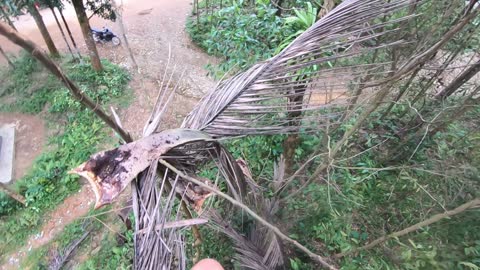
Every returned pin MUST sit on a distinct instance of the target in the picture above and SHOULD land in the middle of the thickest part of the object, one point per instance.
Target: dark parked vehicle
(105, 35)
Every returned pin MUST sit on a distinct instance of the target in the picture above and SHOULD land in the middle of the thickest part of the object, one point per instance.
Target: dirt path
(29, 140)
(73, 207)
(154, 29)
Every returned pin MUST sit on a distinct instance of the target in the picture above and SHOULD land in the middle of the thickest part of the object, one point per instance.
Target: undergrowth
(101, 247)
(368, 197)
(78, 135)
(240, 36)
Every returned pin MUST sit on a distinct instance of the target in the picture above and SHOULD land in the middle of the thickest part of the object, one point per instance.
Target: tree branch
(40, 55)
(415, 227)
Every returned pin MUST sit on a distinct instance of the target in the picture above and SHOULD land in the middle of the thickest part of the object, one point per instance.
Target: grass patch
(102, 248)
(81, 134)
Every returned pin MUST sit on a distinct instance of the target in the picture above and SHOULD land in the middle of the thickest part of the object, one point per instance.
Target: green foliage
(259, 151)
(299, 23)
(112, 254)
(241, 36)
(80, 135)
(367, 198)
(102, 8)
(19, 78)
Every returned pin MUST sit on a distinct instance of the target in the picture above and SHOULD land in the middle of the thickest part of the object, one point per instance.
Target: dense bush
(240, 36)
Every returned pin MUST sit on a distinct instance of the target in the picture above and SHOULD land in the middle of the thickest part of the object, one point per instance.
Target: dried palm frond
(157, 247)
(263, 99)
(239, 105)
(266, 99)
(260, 248)
(61, 258)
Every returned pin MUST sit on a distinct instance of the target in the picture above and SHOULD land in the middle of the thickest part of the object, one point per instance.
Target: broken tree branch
(415, 227)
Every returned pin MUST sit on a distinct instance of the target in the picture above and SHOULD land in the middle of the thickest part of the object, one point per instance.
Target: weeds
(48, 183)
(241, 37)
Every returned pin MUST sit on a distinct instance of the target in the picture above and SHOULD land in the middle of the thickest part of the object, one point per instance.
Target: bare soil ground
(29, 139)
(155, 30)
(73, 207)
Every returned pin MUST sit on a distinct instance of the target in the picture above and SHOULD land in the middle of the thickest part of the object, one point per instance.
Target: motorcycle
(105, 36)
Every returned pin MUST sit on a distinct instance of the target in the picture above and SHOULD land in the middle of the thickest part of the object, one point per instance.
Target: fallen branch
(415, 227)
(284, 237)
(60, 260)
(14, 195)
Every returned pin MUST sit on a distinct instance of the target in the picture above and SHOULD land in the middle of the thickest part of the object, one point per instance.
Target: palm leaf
(263, 99)
(156, 246)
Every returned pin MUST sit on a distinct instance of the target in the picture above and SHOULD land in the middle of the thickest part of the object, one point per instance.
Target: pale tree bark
(459, 81)
(61, 31)
(123, 36)
(12, 194)
(326, 7)
(78, 94)
(87, 34)
(70, 34)
(43, 30)
(471, 204)
(2, 52)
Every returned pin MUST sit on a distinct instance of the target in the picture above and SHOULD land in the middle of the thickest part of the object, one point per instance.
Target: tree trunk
(70, 34)
(292, 141)
(17, 197)
(61, 31)
(469, 103)
(459, 81)
(43, 30)
(326, 7)
(123, 36)
(2, 52)
(87, 34)
(36, 52)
